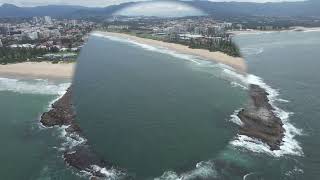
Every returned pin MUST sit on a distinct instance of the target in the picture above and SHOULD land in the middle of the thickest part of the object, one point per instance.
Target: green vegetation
(222, 45)
(16, 55)
(226, 46)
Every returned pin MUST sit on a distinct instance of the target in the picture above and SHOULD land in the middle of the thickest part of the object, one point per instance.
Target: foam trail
(203, 170)
(38, 86)
(252, 51)
(247, 175)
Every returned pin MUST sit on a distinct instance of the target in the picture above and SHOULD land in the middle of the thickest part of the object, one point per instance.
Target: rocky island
(259, 120)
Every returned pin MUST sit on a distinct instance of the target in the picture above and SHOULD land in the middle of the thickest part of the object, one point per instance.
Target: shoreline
(292, 29)
(237, 63)
(38, 70)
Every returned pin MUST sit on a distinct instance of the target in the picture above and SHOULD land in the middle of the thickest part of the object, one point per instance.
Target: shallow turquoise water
(27, 150)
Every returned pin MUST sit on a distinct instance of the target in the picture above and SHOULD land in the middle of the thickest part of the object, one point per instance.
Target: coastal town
(41, 38)
(46, 38)
(54, 39)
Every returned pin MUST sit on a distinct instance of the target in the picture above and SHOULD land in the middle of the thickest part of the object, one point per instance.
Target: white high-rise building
(31, 35)
(35, 20)
(47, 20)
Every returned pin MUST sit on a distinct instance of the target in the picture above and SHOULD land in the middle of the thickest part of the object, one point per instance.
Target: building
(5, 30)
(47, 20)
(74, 22)
(31, 35)
(1, 45)
(36, 20)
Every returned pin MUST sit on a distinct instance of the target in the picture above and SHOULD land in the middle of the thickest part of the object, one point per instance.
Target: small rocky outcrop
(61, 112)
(259, 120)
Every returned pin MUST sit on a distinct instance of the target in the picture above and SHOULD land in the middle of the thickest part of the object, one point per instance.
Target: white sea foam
(203, 170)
(252, 50)
(235, 119)
(39, 86)
(110, 174)
(283, 100)
(237, 84)
(247, 175)
(71, 139)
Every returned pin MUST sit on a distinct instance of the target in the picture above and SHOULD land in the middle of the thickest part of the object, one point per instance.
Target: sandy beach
(235, 62)
(38, 70)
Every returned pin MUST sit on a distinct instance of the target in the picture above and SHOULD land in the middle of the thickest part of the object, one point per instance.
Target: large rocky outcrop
(259, 120)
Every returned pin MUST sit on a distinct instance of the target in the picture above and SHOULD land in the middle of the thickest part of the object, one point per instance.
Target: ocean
(163, 115)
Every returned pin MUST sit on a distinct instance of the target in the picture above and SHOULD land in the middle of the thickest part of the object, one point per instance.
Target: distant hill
(309, 8)
(302, 8)
(9, 10)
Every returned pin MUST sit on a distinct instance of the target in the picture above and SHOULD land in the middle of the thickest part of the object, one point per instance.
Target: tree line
(20, 54)
(226, 46)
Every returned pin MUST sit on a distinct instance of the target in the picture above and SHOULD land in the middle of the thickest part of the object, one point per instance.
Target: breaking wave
(203, 170)
(38, 86)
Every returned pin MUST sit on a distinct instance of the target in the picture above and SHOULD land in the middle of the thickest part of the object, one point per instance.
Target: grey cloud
(96, 3)
(159, 8)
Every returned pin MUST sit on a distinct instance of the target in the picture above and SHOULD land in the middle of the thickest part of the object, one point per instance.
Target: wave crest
(38, 86)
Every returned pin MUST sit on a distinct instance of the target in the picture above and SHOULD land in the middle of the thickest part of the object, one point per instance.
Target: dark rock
(62, 112)
(83, 159)
(259, 120)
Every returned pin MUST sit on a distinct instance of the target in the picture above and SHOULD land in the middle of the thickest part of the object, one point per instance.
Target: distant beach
(235, 62)
(38, 70)
(296, 28)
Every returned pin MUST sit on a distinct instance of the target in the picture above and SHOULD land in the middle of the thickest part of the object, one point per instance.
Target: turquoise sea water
(150, 112)
(163, 115)
(289, 62)
(29, 151)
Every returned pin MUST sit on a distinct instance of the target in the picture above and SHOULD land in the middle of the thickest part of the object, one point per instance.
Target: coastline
(254, 31)
(38, 70)
(237, 63)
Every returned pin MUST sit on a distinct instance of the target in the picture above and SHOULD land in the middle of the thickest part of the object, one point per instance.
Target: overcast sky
(97, 3)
